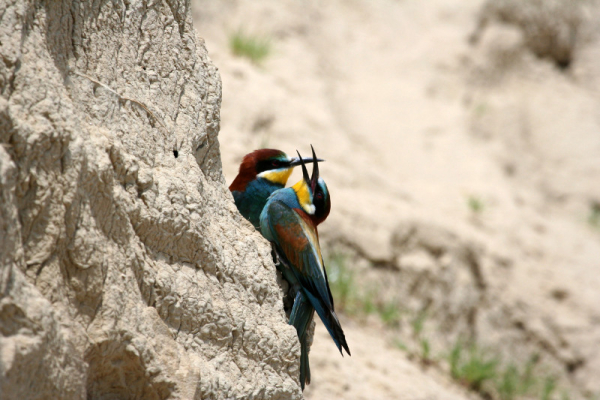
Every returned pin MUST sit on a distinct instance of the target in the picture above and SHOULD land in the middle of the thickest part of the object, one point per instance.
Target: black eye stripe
(266, 165)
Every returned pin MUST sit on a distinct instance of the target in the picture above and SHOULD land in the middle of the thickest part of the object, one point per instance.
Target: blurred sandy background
(462, 141)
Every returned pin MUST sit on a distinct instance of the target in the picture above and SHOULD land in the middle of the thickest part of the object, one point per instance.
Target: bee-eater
(261, 173)
(289, 221)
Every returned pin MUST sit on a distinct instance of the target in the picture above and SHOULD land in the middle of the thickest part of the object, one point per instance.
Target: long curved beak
(304, 170)
(295, 161)
(315, 173)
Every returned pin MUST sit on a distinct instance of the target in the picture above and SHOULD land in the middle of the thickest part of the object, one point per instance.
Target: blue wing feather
(298, 247)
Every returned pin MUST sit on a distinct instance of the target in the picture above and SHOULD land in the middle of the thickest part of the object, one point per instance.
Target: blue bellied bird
(261, 173)
(289, 221)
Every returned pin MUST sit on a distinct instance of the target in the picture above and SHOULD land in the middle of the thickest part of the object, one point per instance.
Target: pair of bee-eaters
(288, 218)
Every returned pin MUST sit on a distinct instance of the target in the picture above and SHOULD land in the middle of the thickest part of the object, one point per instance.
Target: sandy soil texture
(463, 157)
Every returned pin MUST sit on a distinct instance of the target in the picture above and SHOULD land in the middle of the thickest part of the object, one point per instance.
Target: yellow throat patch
(279, 176)
(304, 197)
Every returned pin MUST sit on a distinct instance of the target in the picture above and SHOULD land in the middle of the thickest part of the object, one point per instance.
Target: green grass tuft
(473, 367)
(354, 300)
(341, 282)
(475, 204)
(594, 218)
(418, 323)
(253, 47)
(390, 314)
(425, 350)
(400, 344)
(508, 387)
(483, 372)
(549, 388)
(514, 382)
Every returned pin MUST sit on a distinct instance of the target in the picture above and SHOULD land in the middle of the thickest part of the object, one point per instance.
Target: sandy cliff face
(125, 271)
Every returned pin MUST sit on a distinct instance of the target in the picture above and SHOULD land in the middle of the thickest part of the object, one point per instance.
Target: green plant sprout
(253, 47)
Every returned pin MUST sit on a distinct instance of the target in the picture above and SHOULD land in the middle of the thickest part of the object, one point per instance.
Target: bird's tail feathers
(304, 365)
(332, 323)
(338, 333)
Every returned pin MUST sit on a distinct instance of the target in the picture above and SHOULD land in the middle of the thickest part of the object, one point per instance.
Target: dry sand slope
(466, 171)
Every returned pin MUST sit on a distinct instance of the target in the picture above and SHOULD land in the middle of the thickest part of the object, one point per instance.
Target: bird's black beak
(295, 161)
(312, 181)
(304, 170)
(315, 175)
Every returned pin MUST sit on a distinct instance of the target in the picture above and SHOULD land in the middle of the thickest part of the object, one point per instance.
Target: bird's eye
(275, 163)
(319, 195)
